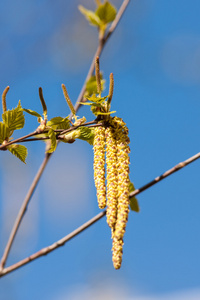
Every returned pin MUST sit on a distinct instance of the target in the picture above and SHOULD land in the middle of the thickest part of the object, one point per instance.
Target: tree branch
(166, 174)
(74, 233)
(23, 210)
(52, 247)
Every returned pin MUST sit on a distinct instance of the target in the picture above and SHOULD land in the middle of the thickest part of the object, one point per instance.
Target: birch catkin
(117, 249)
(123, 151)
(99, 165)
(112, 177)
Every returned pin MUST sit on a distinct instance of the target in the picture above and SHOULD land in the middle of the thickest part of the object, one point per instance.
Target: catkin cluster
(115, 138)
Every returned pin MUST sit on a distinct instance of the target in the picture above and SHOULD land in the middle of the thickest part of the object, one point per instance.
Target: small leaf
(32, 112)
(59, 123)
(96, 99)
(52, 137)
(86, 134)
(90, 16)
(19, 151)
(14, 119)
(4, 132)
(91, 85)
(106, 12)
(133, 200)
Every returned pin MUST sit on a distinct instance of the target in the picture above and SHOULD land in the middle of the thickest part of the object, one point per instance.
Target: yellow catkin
(99, 165)
(123, 151)
(117, 250)
(112, 175)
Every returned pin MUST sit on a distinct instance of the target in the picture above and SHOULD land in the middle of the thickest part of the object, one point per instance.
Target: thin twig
(74, 233)
(166, 174)
(40, 171)
(52, 247)
(23, 210)
(21, 139)
(60, 136)
(25, 137)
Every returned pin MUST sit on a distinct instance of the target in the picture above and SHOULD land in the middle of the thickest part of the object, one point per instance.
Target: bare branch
(74, 233)
(166, 174)
(23, 210)
(54, 246)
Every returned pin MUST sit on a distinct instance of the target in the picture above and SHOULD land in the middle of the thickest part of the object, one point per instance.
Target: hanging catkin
(112, 177)
(123, 151)
(99, 165)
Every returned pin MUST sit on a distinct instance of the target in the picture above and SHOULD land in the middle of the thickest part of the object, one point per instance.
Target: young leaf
(80, 121)
(86, 134)
(19, 151)
(52, 137)
(133, 200)
(96, 99)
(32, 112)
(4, 132)
(90, 16)
(59, 123)
(106, 12)
(14, 119)
(91, 85)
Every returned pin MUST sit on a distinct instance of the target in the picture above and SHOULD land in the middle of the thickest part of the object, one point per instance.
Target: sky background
(155, 57)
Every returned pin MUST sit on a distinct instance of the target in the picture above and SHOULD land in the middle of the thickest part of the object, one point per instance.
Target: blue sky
(155, 57)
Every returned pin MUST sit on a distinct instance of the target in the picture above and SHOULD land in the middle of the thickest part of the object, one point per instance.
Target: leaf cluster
(101, 17)
(13, 120)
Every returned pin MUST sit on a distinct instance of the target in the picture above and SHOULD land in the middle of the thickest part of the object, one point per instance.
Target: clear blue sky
(155, 57)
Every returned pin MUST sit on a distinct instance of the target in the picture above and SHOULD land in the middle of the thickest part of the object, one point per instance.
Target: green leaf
(32, 112)
(91, 85)
(90, 16)
(4, 132)
(59, 123)
(106, 12)
(14, 119)
(52, 137)
(133, 200)
(19, 151)
(86, 134)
